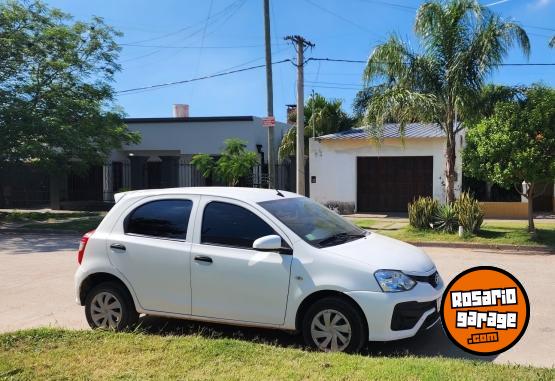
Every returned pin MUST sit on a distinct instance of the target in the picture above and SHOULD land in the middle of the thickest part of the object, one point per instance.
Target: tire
(346, 318)
(109, 306)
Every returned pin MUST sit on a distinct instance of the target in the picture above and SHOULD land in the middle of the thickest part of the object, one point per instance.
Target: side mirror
(270, 243)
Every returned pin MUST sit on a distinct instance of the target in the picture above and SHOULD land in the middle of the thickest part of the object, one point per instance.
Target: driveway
(36, 289)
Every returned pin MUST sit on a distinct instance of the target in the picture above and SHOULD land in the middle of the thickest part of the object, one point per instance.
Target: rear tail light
(82, 245)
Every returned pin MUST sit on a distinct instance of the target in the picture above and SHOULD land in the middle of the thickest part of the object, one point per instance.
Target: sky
(172, 40)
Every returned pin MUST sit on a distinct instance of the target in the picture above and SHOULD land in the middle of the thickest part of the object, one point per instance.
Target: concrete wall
(202, 137)
(333, 162)
(505, 209)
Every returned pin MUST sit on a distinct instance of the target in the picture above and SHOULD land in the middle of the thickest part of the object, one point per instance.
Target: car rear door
(229, 279)
(150, 246)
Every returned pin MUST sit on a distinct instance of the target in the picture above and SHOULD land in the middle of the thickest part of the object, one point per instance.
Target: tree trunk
(450, 158)
(55, 180)
(530, 197)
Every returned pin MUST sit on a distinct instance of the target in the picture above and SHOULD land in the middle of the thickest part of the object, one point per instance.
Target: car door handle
(117, 246)
(202, 258)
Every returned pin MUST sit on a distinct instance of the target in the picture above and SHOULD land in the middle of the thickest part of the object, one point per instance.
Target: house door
(388, 184)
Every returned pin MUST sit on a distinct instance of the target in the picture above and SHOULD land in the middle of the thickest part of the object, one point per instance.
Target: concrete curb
(499, 247)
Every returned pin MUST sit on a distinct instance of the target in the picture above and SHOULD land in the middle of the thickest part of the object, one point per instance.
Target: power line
(362, 27)
(235, 5)
(365, 61)
(199, 47)
(391, 5)
(160, 85)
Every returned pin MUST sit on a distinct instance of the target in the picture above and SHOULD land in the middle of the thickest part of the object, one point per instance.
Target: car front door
(229, 279)
(150, 245)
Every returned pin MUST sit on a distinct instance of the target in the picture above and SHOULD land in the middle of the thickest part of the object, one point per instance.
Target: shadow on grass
(490, 234)
(431, 343)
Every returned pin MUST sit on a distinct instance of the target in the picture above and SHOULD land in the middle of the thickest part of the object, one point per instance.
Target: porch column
(181, 175)
(169, 169)
(107, 182)
(126, 173)
(138, 180)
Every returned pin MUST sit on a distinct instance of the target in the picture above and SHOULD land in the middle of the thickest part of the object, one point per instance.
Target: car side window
(231, 225)
(162, 219)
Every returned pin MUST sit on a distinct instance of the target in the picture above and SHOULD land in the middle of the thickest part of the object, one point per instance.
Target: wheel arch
(318, 295)
(100, 277)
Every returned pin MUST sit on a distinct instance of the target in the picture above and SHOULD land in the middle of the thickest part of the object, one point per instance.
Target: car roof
(239, 193)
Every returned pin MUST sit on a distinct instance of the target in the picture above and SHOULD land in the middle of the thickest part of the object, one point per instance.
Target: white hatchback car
(253, 257)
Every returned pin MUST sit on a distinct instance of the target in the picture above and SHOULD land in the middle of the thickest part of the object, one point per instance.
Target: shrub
(446, 219)
(422, 211)
(470, 213)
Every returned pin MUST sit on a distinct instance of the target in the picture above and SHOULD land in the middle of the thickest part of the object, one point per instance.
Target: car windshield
(313, 222)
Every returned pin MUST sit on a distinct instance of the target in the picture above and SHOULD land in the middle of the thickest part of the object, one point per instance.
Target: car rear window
(162, 218)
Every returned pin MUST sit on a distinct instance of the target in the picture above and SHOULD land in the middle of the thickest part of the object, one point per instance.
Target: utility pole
(270, 96)
(300, 45)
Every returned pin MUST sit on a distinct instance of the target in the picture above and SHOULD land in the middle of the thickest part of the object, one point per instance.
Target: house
(160, 160)
(352, 168)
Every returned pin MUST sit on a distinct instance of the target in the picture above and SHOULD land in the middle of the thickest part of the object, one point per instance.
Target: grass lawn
(76, 221)
(498, 232)
(59, 354)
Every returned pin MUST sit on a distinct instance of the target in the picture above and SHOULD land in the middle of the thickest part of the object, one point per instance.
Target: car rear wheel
(109, 306)
(333, 324)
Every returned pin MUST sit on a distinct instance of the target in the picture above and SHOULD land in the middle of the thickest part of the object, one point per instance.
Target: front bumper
(417, 309)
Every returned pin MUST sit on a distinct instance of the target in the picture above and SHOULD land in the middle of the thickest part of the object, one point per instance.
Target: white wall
(202, 137)
(334, 163)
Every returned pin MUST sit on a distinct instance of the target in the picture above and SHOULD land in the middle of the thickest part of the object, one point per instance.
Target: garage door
(388, 184)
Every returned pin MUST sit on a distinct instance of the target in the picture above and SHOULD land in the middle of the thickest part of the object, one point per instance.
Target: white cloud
(541, 3)
(497, 3)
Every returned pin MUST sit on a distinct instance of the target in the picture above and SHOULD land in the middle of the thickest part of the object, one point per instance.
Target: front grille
(431, 279)
(407, 314)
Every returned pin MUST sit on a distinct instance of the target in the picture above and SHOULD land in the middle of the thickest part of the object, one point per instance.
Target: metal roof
(191, 119)
(390, 130)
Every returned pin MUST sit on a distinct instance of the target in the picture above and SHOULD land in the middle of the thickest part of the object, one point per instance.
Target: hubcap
(331, 331)
(106, 310)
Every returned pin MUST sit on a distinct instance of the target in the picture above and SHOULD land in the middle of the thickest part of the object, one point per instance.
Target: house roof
(390, 130)
(197, 119)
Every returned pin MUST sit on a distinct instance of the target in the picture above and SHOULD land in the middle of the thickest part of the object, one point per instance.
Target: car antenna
(279, 193)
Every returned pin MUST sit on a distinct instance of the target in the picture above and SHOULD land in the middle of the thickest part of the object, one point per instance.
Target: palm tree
(462, 42)
(323, 116)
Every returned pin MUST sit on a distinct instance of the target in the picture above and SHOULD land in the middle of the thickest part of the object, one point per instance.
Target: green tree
(516, 144)
(484, 103)
(322, 117)
(56, 99)
(234, 163)
(461, 43)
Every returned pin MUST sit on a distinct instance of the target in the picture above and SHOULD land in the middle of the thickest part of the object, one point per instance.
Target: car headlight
(393, 281)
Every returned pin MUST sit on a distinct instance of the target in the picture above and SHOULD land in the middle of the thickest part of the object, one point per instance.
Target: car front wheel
(333, 324)
(109, 306)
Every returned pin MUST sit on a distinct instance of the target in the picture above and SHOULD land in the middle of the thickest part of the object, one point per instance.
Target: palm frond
(401, 105)
(288, 143)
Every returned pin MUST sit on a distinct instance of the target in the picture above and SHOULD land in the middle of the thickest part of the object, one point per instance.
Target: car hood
(380, 252)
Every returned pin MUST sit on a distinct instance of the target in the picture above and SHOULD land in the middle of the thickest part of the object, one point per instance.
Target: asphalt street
(36, 289)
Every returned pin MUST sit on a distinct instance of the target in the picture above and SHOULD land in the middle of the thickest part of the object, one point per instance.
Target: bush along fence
(426, 213)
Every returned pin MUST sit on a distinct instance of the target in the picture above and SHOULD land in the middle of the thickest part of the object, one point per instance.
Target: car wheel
(333, 324)
(110, 306)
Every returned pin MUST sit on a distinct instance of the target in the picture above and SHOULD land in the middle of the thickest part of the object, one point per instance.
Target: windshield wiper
(339, 238)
